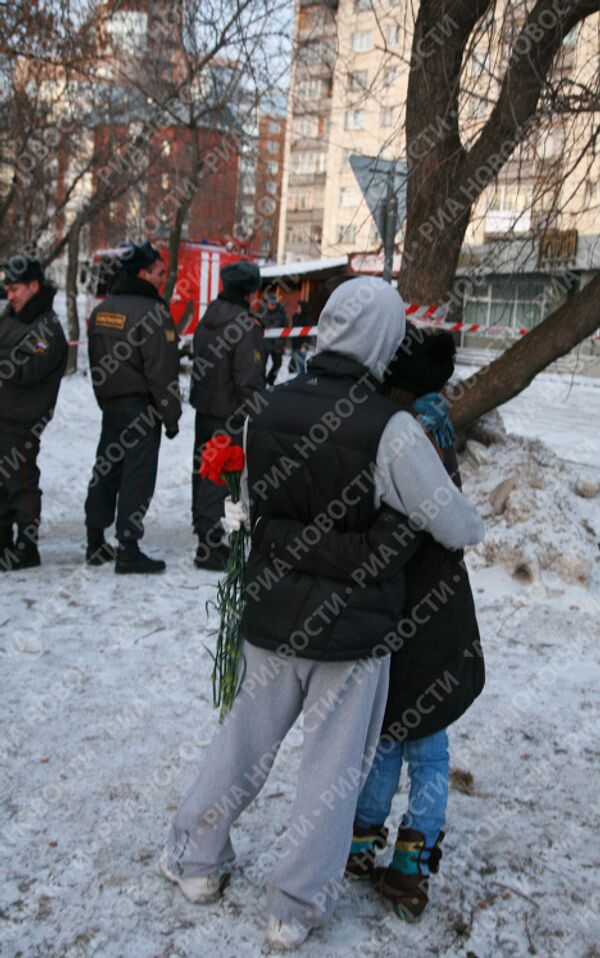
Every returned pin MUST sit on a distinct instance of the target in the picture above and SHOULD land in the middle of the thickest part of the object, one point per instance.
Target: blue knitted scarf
(432, 412)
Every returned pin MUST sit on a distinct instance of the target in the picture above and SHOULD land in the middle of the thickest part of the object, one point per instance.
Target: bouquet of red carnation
(222, 463)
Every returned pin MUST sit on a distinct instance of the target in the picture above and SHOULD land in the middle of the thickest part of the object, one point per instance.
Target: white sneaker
(285, 936)
(199, 890)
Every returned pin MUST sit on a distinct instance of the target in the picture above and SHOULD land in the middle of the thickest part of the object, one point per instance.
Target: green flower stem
(228, 671)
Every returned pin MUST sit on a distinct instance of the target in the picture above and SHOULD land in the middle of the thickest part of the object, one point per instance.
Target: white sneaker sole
(275, 940)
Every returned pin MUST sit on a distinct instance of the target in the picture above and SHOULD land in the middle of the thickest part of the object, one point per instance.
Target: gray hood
(365, 319)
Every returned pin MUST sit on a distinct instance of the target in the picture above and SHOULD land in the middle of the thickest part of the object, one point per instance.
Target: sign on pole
(376, 177)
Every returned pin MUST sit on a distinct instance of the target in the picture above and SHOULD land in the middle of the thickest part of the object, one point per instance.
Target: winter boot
(24, 554)
(98, 550)
(406, 881)
(214, 558)
(7, 546)
(131, 559)
(8, 556)
(366, 842)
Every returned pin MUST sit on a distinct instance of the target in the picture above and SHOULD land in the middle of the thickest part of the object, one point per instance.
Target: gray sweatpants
(343, 705)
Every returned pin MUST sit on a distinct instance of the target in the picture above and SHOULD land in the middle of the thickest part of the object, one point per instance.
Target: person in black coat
(227, 374)
(438, 668)
(300, 344)
(134, 368)
(33, 356)
(272, 316)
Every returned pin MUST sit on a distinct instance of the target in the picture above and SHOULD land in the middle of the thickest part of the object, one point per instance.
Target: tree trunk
(71, 292)
(174, 244)
(514, 369)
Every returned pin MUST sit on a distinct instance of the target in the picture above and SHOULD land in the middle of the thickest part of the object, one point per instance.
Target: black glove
(171, 433)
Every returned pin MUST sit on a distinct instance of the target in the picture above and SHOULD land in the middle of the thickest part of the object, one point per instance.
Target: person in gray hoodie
(327, 450)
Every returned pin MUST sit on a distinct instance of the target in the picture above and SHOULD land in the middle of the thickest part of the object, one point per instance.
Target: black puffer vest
(311, 453)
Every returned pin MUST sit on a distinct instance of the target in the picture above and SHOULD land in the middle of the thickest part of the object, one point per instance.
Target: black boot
(7, 549)
(98, 549)
(211, 558)
(406, 880)
(367, 840)
(23, 555)
(131, 559)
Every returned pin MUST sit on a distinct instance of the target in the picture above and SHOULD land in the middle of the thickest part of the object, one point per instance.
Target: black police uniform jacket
(311, 455)
(228, 361)
(33, 356)
(133, 349)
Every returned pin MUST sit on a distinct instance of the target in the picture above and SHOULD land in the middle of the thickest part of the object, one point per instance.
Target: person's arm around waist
(411, 478)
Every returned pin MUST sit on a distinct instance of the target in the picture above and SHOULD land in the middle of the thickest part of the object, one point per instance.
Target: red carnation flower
(218, 457)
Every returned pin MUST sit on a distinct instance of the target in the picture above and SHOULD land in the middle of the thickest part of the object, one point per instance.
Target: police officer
(134, 366)
(33, 356)
(272, 316)
(227, 374)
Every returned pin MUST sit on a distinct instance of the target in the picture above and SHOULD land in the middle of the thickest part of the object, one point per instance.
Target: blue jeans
(428, 768)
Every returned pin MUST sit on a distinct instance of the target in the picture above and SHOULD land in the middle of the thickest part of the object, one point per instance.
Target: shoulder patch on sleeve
(257, 356)
(41, 346)
(111, 320)
(170, 334)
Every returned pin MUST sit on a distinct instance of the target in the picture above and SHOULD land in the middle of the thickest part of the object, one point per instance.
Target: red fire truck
(198, 279)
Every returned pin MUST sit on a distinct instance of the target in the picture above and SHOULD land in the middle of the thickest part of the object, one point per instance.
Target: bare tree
(459, 165)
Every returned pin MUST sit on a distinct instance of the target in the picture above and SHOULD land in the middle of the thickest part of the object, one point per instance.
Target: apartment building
(308, 130)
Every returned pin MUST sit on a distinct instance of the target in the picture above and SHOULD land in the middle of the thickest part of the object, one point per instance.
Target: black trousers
(20, 493)
(276, 359)
(207, 497)
(124, 474)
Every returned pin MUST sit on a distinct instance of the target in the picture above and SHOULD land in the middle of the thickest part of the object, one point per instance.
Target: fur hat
(241, 277)
(424, 362)
(21, 269)
(136, 256)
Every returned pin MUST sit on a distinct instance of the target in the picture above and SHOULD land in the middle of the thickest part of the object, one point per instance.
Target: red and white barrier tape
(421, 315)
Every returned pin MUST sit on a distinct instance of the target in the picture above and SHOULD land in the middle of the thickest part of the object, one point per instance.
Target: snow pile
(536, 521)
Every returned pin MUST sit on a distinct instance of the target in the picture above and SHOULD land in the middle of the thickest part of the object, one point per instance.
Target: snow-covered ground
(106, 714)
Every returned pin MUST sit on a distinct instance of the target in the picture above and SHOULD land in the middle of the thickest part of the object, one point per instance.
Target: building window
(164, 181)
(308, 162)
(346, 234)
(360, 5)
(273, 126)
(349, 197)
(309, 90)
(272, 167)
(306, 127)
(389, 76)
(354, 119)
(271, 187)
(386, 117)
(520, 303)
(392, 35)
(272, 146)
(357, 82)
(361, 41)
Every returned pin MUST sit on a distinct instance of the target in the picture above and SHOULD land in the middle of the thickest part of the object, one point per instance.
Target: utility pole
(390, 219)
